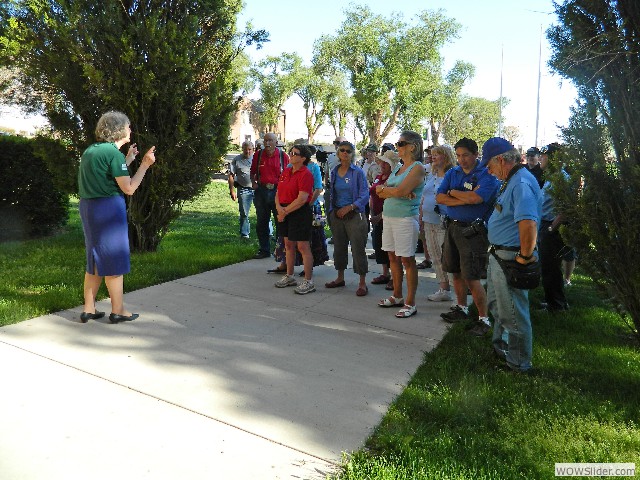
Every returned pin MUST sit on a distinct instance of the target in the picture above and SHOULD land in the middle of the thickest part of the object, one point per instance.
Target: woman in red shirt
(386, 162)
(295, 188)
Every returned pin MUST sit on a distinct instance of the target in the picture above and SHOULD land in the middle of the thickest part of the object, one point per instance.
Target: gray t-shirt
(240, 167)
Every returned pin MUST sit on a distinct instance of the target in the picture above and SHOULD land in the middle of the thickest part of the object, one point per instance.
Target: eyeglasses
(344, 150)
(402, 143)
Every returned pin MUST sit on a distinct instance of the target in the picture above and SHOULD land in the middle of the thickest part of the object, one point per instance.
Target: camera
(477, 227)
(321, 154)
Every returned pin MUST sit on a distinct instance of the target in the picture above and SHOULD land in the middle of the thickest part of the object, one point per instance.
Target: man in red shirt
(266, 167)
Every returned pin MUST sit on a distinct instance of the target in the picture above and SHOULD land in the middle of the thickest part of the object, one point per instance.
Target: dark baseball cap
(533, 151)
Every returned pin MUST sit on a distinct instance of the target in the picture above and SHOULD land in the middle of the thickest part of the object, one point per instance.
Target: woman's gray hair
(415, 139)
(112, 127)
(350, 145)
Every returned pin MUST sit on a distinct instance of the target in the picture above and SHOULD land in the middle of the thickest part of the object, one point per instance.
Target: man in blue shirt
(467, 191)
(513, 228)
(552, 247)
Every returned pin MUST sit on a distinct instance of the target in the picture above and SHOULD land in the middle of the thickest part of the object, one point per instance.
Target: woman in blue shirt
(431, 214)
(349, 197)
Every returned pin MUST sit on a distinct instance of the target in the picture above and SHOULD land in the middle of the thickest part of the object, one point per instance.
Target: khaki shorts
(467, 256)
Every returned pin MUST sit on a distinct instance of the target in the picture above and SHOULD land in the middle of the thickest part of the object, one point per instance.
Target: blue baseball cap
(492, 147)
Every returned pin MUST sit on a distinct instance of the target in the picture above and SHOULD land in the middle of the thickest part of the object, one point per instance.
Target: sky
(491, 30)
(495, 35)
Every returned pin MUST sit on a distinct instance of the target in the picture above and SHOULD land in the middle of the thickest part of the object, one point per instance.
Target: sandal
(406, 311)
(424, 264)
(380, 280)
(390, 302)
(334, 284)
(389, 285)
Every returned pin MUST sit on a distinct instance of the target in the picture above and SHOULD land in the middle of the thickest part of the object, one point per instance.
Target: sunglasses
(402, 143)
(294, 154)
(344, 150)
(544, 149)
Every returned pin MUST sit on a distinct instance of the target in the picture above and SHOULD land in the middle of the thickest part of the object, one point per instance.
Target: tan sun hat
(390, 157)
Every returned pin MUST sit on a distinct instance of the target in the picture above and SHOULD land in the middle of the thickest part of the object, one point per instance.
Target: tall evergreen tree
(597, 46)
(164, 63)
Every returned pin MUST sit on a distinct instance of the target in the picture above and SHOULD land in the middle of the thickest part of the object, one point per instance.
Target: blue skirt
(106, 235)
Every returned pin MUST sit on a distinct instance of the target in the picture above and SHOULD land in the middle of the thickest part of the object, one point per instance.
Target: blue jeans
(265, 202)
(512, 334)
(245, 198)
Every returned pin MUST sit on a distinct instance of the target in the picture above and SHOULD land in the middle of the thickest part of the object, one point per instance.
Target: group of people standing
(476, 215)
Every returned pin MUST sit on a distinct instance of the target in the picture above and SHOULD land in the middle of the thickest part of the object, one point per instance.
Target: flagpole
(539, 77)
(501, 70)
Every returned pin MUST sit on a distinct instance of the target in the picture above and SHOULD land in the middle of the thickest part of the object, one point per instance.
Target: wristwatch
(526, 258)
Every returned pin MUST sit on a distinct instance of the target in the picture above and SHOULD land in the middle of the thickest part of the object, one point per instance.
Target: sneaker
(455, 315)
(479, 329)
(372, 256)
(440, 296)
(261, 255)
(305, 287)
(286, 281)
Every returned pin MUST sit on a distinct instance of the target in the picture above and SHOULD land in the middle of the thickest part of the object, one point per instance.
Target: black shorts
(297, 225)
(467, 256)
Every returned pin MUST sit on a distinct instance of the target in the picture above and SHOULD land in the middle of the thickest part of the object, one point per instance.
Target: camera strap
(503, 187)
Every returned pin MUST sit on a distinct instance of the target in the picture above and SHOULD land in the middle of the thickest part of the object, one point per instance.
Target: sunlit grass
(462, 417)
(45, 275)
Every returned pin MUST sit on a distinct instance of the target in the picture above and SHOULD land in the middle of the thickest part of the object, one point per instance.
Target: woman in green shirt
(103, 180)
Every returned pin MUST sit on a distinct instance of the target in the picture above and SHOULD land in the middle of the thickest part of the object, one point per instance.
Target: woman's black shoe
(85, 317)
(115, 318)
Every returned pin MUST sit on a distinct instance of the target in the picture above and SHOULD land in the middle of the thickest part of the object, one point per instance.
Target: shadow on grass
(46, 275)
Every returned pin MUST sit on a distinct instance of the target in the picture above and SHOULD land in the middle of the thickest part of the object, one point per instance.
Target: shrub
(30, 204)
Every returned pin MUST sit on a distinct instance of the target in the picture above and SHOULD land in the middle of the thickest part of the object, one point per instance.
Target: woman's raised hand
(149, 157)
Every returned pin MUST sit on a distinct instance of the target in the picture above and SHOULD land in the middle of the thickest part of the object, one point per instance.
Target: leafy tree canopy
(387, 61)
(278, 78)
(474, 117)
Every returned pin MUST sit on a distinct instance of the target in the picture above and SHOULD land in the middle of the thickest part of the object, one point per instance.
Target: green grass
(46, 275)
(461, 417)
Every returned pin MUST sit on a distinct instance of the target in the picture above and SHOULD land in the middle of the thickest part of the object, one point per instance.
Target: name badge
(468, 186)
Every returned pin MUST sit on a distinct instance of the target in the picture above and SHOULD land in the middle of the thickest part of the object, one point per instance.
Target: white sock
(463, 308)
(485, 320)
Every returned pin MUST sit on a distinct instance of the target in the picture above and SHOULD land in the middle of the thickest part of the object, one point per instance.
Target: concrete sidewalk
(223, 376)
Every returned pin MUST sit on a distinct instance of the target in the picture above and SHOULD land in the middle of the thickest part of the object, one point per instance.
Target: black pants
(552, 249)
